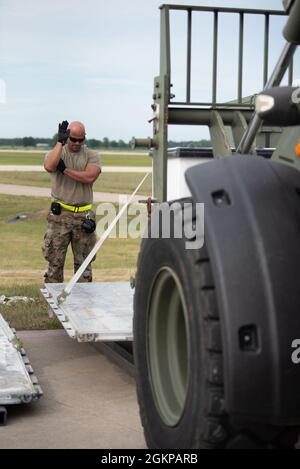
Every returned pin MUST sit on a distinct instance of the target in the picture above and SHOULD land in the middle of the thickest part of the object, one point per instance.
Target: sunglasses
(75, 140)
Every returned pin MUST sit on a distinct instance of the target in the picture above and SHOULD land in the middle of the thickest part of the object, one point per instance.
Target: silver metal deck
(18, 384)
(94, 311)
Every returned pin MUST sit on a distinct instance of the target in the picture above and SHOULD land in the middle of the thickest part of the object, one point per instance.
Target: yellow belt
(75, 208)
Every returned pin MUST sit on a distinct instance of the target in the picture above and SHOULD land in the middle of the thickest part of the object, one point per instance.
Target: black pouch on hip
(88, 225)
(56, 208)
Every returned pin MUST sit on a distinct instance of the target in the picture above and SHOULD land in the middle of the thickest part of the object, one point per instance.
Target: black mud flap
(252, 231)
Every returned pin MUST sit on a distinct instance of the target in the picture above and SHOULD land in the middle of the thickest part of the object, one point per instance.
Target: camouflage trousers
(65, 229)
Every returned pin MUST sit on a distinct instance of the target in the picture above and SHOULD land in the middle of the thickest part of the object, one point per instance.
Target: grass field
(24, 316)
(20, 243)
(107, 158)
(123, 183)
(22, 264)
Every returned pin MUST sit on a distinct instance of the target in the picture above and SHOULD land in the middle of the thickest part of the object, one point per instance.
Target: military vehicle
(216, 329)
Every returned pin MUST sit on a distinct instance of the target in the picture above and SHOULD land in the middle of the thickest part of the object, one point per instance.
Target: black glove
(61, 166)
(63, 132)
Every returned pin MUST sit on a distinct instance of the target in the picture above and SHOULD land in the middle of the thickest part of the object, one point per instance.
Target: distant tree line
(92, 143)
(33, 142)
(190, 144)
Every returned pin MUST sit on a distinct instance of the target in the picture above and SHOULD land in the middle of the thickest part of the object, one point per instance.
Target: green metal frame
(217, 116)
(246, 131)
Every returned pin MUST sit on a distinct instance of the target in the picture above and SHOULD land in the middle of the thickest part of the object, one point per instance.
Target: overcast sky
(95, 61)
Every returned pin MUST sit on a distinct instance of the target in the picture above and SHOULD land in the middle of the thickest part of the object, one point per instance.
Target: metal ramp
(94, 312)
(18, 384)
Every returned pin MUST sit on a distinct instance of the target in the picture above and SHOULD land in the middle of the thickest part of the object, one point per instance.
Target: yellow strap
(74, 208)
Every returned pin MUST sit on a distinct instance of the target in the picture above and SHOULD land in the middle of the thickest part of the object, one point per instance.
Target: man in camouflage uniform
(73, 168)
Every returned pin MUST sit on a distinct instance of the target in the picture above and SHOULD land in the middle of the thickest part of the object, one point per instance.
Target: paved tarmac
(17, 189)
(105, 169)
(88, 402)
(32, 191)
(101, 153)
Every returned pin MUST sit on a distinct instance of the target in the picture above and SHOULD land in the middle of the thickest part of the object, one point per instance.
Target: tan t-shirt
(66, 189)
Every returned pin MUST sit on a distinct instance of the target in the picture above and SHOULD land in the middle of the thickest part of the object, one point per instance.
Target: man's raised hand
(63, 132)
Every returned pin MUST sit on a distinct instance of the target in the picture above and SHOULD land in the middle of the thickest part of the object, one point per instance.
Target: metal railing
(216, 13)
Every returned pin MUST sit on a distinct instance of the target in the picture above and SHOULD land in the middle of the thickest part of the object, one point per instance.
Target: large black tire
(178, 354)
